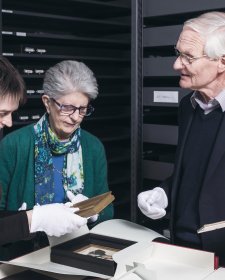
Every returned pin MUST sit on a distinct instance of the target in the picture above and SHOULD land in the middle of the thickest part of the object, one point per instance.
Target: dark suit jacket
(212, 196)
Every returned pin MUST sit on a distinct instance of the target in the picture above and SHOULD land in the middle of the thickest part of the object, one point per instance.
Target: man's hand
(153, 203)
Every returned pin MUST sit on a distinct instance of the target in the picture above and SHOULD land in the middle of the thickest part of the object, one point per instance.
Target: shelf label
(7, 11)
(30, 91)
(35, 117)
(41, 51)
(29, 49)
(8, 54)
(7, 32)
(24, 118)
(165, 96)
(39, 71)
(40, 91)
(28, 71)
(22, 34)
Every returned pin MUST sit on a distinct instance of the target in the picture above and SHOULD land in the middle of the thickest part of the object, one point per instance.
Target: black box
(90, 252)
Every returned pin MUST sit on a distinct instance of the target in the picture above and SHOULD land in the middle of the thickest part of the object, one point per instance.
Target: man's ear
(221, 64)
(46, 101)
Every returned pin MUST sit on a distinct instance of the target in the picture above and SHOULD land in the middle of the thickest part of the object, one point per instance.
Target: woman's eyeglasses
(68, 110)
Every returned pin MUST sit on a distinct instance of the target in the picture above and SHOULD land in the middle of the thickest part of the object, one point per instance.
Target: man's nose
(178, 64)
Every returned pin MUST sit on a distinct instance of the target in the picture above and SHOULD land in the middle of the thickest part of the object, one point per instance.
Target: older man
(195, 194)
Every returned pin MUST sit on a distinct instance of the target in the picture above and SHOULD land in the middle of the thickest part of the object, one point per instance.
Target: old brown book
(94, 205)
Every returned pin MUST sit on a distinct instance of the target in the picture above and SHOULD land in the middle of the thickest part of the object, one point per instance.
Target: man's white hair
(211, 27)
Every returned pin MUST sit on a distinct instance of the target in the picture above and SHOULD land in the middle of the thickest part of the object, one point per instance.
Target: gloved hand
(55, 219)
(23, 207)
(78, 198)
(75, 198)
(153, 203)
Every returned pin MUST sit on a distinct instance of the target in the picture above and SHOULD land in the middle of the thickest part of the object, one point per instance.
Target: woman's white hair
(70, 76)
(211, 27)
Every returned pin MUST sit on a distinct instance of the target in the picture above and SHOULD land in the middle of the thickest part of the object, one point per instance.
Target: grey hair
(211, 27)
(70, 76)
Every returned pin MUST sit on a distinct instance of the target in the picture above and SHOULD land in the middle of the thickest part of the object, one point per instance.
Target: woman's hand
(54, 219)
(78, 198)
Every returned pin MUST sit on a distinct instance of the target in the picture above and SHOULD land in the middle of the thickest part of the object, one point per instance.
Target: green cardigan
(17, 169)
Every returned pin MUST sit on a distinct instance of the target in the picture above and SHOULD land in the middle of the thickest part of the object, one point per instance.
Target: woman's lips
(70, 124)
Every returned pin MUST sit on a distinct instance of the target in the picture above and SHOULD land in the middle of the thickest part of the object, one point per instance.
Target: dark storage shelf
(168, 36)
(122, 199)
(108, 98)
(113, 134)
(31, 76)
(161, 81)
(158, 152)
(160, 115)
(118, 154)
(33, 96)
(85, 8)
(171, 8)
(63, 39)
(159, 67)
(22, 123)
(64, 57)
(112, 112)
(118, 181)
(119, 175)
(58, 22)
(157, 170)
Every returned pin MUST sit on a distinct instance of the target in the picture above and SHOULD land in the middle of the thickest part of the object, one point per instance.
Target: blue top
(58, 178)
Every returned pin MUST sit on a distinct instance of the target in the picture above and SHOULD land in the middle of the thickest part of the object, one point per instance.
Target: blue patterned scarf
(46, 143)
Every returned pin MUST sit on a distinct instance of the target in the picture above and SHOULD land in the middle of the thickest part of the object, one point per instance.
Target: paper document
(210, 227)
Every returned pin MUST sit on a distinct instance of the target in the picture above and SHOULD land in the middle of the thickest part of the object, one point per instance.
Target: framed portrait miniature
(97, 251)
(90, 252)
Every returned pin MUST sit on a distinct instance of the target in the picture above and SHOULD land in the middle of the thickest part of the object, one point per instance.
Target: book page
(210, 227)
(94, 205)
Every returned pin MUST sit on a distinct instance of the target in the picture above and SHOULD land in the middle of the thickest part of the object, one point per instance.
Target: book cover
(94, 205)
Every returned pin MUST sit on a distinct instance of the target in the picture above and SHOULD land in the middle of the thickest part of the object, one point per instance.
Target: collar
(218, 101)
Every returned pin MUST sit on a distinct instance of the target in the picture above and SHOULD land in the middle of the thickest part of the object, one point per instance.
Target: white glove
(75, 198)
(23, 207)
(78, 198)
(153, 203)
(93, 218)
(55, 219)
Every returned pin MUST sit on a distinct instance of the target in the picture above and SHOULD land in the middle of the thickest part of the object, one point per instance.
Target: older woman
(42, 163)
(17, 225)
(55, 155)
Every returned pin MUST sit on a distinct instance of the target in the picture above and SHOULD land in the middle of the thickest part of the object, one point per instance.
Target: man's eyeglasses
(186, 59)
(68, 110)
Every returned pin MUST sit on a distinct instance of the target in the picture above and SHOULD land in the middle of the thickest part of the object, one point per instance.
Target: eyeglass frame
(189, 59)
(89, 107)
